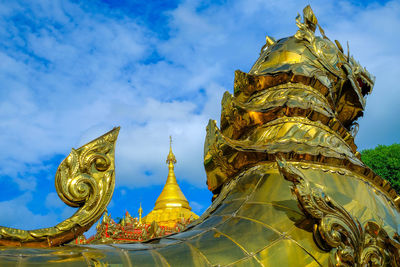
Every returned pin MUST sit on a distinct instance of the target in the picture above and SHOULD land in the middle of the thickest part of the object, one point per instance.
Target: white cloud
(27, 183)
(14, 213)
(53, 201)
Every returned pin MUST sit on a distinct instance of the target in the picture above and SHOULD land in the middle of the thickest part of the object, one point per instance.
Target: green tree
(384, 161)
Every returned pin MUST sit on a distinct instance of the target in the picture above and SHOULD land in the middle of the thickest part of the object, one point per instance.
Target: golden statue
(289, 186)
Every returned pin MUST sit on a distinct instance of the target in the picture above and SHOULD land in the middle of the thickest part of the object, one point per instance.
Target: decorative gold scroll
(337, 231)
(84, 179)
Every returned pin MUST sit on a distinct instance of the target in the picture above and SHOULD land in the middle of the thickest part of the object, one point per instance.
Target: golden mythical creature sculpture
(289, 186)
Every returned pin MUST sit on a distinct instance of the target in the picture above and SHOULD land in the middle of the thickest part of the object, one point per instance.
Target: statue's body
(289, 186)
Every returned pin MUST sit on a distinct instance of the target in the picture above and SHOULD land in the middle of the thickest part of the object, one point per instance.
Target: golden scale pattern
(289, 186)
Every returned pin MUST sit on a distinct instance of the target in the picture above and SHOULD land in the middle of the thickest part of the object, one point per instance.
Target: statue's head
(297, 81)
(308, 55)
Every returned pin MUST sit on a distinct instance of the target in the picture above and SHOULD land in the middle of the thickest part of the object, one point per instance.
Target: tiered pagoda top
(172, 204)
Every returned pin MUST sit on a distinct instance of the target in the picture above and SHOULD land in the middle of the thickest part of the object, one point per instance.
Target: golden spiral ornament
(84, 179)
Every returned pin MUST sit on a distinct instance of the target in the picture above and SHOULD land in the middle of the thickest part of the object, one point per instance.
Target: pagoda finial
(140, 213)
(171, 196)
(171, 157)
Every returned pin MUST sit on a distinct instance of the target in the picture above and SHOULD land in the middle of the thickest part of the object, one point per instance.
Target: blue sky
(71, 71)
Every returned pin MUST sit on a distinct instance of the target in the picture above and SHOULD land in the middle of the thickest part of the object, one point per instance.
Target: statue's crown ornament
(317, 57)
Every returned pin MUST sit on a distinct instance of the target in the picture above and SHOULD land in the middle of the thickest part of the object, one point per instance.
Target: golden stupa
(171, 206)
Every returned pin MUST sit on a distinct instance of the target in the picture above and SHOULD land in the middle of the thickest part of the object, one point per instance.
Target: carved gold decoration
(84, 179)
(318, 58)
(301, 99)
(336, 230)
(130, 230)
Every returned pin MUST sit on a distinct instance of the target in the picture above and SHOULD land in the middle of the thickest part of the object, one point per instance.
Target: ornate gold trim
(84, 179)
(337, 231)
(233, 111)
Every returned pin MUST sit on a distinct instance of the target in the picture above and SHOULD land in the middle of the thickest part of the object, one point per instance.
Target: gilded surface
(336, 229)
(289, 187)
(85, 179)
(171, 205)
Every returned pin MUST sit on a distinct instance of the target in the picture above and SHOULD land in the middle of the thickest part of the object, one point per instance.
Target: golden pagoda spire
(140, 213)
(171, 206)
(171, 157)
(171, 196)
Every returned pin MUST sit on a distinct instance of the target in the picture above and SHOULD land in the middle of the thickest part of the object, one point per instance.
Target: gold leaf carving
(337, 231)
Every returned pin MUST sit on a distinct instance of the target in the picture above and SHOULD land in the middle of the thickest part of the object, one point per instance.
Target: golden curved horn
(84, 179)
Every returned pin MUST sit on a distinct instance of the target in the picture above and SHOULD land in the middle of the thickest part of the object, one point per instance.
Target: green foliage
(384, 161)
